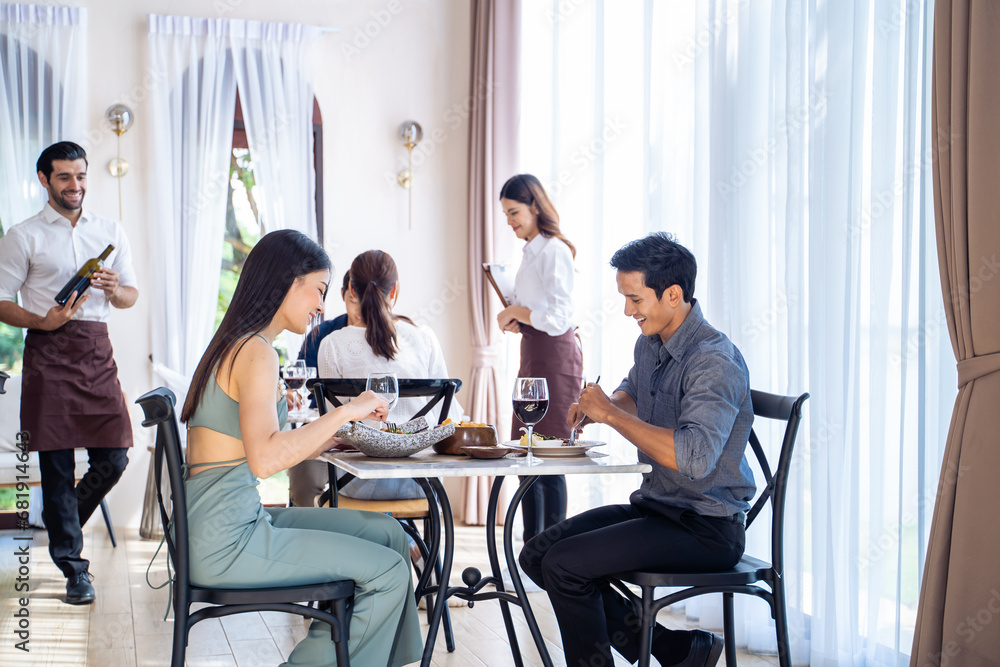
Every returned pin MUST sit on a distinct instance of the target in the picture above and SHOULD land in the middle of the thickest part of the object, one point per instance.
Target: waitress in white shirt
(541, 312)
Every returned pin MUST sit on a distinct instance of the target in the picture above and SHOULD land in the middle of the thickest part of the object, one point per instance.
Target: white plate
(579, 448)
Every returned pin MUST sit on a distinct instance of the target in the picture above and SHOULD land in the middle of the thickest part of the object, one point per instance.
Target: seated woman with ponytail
(383, 342)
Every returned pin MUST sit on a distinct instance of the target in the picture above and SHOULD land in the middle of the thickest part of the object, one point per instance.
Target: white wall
(391, 60)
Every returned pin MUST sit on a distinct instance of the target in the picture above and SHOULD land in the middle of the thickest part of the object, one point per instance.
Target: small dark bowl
(480, 436)
(486, 452)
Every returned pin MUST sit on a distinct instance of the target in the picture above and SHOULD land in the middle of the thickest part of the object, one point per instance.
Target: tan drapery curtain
(495, 93)
(958, 621)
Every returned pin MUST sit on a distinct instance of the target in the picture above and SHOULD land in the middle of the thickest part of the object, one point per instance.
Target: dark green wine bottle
(81, 281)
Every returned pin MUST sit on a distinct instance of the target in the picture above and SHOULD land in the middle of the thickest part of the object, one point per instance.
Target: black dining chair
(405, 511)
(749, 571)
(158, 408)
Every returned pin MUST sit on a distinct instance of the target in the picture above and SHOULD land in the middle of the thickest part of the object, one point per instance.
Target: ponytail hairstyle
(527, 189)
(272, 267)
(373, 275)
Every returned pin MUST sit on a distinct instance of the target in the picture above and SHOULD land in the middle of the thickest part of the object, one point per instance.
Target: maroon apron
(559, 360)
(70, 395)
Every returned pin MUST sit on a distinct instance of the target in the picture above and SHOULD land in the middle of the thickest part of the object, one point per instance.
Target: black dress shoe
(79, 589)
(706, 649)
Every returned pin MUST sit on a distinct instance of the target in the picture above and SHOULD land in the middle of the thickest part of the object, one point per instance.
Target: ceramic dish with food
(557, 447)
(466, 434)
(413, 436)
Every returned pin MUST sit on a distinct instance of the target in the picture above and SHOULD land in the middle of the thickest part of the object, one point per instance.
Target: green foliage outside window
(242, 227)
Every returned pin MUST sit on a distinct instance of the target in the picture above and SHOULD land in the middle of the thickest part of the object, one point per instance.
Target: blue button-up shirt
(696, 383)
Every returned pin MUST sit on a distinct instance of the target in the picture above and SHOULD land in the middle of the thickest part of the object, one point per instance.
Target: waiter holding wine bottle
(541, 312)
(70, 395)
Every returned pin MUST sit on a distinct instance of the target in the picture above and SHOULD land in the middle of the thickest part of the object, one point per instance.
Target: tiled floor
(125, 626)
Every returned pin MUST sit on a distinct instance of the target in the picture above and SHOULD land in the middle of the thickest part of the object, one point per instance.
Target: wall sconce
(120, 119)
(410, 133)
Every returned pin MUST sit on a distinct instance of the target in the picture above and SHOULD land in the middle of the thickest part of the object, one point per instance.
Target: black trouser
(570, 559)
(66, 506)
(543, 505)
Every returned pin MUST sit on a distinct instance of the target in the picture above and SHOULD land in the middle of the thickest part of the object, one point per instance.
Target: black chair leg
(781, 625)
(648, 620)
(107, 520)
(180, 637)
(340, 611)
(729, 628)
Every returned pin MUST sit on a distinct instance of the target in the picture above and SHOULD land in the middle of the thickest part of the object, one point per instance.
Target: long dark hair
(373, 275)
(527, 189)
(274, 264)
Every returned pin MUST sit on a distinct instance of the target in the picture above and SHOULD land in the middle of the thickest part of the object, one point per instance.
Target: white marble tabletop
(430, 464)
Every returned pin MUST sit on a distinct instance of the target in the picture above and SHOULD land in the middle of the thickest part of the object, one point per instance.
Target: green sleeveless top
(221, 413)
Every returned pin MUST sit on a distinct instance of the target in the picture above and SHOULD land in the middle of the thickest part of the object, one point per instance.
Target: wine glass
(531, 402)
(385, 385)
(295, 375)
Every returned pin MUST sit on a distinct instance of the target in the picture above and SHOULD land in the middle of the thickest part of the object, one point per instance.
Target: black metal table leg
(491, 549)
(515, 577)
(432, 486)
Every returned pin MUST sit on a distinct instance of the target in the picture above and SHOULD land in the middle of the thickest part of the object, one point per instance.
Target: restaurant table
(426, 468)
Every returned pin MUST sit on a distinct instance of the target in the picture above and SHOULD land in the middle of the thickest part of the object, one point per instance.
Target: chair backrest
(158, 408)
(789, 410)
(333, 389)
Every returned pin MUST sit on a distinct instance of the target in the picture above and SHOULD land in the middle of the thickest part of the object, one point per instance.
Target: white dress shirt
(39, 256)
(544, 284)
(346, 354)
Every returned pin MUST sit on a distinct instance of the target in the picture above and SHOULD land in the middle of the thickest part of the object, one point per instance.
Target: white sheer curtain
(192, 112)
(43, 97)
(275, 68)
(786, 143)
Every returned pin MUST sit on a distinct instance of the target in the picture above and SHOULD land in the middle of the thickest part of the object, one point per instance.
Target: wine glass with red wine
(295, 375)
(531, 402)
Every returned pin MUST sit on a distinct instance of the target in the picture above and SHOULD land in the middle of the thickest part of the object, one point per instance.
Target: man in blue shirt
(685, 405)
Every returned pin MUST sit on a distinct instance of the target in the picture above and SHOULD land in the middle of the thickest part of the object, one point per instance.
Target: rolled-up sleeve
(13, 265)
(556, 265)
(709, 407)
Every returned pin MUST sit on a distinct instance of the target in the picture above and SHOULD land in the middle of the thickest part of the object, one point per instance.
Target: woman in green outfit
(235, 410)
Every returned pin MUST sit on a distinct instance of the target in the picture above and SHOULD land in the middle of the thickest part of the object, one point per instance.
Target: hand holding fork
(579, 423)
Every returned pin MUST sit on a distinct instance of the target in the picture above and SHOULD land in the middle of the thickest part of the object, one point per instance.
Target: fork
(576, 426)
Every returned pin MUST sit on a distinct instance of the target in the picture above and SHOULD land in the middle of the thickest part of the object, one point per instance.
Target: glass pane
(242, 226)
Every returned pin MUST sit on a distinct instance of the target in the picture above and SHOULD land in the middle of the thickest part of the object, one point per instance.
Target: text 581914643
(22, 552)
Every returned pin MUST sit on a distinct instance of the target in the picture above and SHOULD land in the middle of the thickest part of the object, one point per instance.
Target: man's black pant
(543, 505)
(570, 559)
(66, 506)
